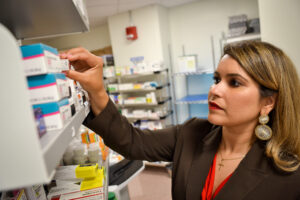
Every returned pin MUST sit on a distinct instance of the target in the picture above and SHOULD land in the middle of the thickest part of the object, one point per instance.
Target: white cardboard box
(40, 59)
(48, 88)
(68, 192)
(55, 114)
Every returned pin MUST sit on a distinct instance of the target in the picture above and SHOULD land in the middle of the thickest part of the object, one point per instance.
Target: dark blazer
(191, 147)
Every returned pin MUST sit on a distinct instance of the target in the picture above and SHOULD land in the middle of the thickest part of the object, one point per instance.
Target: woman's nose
(216, 89)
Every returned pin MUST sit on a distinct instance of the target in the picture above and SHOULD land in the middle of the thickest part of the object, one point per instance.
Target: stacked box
(55, 113)
(48, 88)
(40, 59)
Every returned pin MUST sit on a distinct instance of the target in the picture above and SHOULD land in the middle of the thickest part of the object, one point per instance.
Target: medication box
(71, 193)
(48, 88)
(65, 64)
(55, 113)
(40, 59)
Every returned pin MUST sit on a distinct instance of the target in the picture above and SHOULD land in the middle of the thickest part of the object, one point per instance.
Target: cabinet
(25, 159)
(190, 94)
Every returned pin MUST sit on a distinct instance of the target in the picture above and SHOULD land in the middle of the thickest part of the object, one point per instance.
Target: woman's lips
(214, 106)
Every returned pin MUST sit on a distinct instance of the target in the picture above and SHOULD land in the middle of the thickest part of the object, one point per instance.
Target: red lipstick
(214, 106)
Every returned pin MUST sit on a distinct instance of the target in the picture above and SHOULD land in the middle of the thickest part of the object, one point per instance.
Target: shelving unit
(163, 98)
(192, 102)
(27, 159)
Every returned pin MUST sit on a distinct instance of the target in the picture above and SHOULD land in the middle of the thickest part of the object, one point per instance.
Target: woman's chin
(213, 119)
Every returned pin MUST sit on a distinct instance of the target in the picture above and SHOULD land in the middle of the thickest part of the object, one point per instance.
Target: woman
(236, 153)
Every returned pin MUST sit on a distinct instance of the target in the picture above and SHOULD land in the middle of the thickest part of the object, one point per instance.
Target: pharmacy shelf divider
(25, 159)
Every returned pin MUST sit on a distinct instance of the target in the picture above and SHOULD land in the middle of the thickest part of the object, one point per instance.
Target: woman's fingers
(77, 76)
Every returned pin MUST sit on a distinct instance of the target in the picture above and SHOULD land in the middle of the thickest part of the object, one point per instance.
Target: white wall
(280, 25)
(164, 28)
(95, 39)
(148, 43)
(193, 24)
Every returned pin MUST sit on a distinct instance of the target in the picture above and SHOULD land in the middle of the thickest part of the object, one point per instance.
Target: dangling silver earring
(263, 131)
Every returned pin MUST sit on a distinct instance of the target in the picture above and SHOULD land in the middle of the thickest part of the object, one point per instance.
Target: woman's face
(234, 98)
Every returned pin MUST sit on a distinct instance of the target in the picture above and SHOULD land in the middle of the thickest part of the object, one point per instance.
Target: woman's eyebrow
(236, 75)
(231, 75)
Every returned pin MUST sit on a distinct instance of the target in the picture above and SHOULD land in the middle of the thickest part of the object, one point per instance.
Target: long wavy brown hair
(273, 70)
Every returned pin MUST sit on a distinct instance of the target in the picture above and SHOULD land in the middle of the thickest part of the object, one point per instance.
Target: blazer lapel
(203, 158)
(251, 171)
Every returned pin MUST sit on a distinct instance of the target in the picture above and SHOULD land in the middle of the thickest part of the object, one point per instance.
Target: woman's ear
(268, 104)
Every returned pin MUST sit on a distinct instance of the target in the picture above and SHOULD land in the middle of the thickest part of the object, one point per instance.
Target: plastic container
(111, 196)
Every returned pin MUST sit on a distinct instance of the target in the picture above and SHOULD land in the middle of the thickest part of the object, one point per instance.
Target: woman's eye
(216, 80)
(234, 83)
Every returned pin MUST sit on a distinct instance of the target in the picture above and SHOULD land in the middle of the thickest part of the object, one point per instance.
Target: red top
(209, 183)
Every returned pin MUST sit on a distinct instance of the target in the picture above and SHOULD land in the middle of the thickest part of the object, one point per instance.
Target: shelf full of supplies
(29, 154)
(159, 102)
(137, 75)
(169, 113)
(139, 89)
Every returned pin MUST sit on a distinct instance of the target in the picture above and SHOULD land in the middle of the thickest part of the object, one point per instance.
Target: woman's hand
(89, 73)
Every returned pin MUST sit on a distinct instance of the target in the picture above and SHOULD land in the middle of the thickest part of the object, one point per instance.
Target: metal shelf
(206, 71)
(193, 99)
(144, 104)
(151, 73)
(251, 36)
(140, 90)
(149, 118)
(37, 19)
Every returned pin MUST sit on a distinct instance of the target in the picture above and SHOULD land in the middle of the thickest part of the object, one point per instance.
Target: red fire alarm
(131, 33)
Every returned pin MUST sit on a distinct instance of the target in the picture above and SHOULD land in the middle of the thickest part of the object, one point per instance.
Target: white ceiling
(99, 10)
